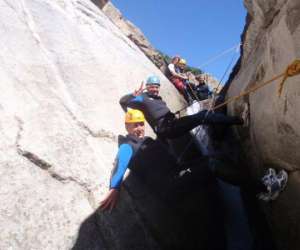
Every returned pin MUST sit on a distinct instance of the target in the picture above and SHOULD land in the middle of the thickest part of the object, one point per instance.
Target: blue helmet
(153, 80)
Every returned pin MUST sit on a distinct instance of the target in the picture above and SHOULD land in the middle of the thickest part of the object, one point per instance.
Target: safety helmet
(182, 61)
(153, 80)
(134, 115)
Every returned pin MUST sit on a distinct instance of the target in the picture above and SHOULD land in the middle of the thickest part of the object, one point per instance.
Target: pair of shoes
(274, 183)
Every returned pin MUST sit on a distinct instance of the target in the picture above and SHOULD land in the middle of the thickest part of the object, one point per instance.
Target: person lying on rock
(162, 120)
(128, 147)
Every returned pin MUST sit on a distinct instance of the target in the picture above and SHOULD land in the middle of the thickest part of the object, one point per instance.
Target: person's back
(172, 67)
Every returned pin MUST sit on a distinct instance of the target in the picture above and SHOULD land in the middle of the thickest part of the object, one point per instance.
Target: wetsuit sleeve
(123, 158)
(131, 101)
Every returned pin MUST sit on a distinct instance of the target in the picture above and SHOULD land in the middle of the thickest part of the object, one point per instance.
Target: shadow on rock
(161, 206)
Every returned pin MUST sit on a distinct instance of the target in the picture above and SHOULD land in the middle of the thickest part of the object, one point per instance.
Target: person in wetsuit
(202, 89)
(162, 120)
(128, 147)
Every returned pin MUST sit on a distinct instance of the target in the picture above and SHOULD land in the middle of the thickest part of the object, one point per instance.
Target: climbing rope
(226, 71)
(292, 70)
(223, 53)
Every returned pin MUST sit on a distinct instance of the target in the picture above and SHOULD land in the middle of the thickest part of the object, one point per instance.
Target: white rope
(225, 52)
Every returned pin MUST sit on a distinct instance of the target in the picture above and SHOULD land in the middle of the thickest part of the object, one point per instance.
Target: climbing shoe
(274, 184)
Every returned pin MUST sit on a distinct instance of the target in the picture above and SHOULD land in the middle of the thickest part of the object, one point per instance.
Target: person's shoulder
(122, 140)
(148, 138)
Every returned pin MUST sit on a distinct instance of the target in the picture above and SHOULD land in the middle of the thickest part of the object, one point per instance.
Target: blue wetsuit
(128, 147)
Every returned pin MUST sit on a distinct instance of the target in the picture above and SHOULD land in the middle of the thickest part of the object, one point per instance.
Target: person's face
(201, 80)
(153, 89)
(175, 60)
(182, 66)
(137, 129)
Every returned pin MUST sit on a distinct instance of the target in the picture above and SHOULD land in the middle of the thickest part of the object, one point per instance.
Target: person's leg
(180, 126)
(229, 172)
(208, 118)
(191, 92)
(179, 84)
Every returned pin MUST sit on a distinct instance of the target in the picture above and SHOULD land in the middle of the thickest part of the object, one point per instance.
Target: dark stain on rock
(270, 17)
(284, 128)
(273, 55)
(293, 16)
(260, 73)
(285, 107)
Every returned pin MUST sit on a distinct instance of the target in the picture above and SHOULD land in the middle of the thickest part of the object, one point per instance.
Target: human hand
(110, 200)
(184, 77)
(140, 90)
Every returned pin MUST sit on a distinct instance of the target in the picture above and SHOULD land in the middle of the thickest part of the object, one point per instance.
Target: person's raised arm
(133, 100)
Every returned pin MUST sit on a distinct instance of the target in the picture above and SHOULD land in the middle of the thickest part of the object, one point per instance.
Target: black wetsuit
(164, 122)
(128, 148)
(202, 91)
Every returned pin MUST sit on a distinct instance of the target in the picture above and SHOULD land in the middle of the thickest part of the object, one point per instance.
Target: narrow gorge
(65, 65)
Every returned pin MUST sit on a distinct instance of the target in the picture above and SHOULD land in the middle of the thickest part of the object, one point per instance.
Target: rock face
(64, 68)
(100, 3)
(271, 42)
(134, 34)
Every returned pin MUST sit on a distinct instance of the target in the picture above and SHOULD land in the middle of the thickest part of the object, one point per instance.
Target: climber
(190, 94)
(178, 79)
(202, 89)
(128, 147)
(268, 188)
(162, 120)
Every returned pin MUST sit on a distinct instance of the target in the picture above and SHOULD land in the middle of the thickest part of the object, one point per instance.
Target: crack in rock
(42, 164)
(102, 133)
(34, 159)
(89, 193)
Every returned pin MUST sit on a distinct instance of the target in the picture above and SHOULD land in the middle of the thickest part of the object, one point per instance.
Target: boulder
(64, 67)
(270, 43)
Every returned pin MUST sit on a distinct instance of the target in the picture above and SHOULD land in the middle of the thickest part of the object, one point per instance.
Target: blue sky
(197, 30)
